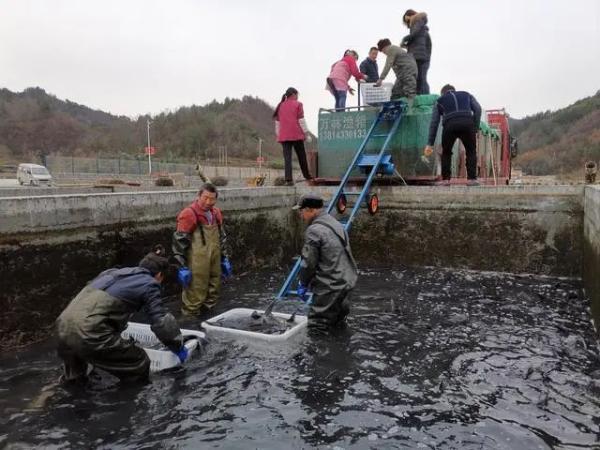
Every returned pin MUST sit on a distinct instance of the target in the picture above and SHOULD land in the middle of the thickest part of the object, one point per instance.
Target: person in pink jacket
(337, 81)
(291, 131)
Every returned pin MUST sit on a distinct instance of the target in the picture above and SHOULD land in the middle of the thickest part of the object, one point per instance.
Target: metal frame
(389, 111)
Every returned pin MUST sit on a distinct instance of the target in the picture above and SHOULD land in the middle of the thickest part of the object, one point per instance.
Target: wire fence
(66, 165)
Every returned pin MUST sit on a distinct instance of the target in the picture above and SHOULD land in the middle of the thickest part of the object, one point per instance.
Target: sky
(132, 57)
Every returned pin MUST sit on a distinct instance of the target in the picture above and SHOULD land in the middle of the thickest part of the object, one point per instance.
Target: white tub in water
(295, 332)
(160, 359)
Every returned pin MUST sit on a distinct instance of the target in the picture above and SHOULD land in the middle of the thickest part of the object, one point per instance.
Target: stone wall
(518, 229)
(51, 245)
(591, 250)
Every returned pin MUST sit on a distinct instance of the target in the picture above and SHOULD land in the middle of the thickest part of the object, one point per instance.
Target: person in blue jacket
(460, 113)
(369, 66)
(90, 327)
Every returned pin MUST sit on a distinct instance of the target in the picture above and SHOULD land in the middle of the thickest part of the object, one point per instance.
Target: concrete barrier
(591, 250)
(50, 245)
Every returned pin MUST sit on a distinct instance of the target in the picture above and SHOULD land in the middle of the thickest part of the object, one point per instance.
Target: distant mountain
(559, 142)
(33, 122)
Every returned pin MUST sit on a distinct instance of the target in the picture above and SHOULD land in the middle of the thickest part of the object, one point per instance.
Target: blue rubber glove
(182, 354)
(226, 267)
(301, 291)
(184, 277)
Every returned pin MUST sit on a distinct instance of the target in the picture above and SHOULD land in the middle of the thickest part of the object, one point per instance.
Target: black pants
(123, 359)
(422, 85)
(287, 158)
(463, 129)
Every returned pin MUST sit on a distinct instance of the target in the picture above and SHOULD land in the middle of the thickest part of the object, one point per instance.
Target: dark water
(431, 359)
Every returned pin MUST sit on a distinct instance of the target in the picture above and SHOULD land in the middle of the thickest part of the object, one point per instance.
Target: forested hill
(34, 122)
(559, 142)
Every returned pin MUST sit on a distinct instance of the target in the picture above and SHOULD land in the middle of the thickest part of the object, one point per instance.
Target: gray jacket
(418, 42)
(400, 61)
(327, 262)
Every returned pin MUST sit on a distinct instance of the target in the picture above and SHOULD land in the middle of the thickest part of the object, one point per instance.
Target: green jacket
(396, 59)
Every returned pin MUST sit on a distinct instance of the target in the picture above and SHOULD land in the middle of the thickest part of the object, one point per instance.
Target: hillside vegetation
(559, 142)
(34, 122)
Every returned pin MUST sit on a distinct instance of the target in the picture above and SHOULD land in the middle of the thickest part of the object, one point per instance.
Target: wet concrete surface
(431, 358)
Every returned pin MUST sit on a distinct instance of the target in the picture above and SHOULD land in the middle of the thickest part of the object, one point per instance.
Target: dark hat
(309, 201)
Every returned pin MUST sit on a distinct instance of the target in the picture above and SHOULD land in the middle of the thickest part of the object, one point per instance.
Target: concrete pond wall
(591, 250)
(51, 245)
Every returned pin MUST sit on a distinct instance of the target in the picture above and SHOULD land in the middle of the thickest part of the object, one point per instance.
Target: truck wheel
(373, 204)
(341, 204)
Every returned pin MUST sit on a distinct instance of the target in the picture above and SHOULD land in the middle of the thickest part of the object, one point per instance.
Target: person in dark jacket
(90, 327)
(461, 115)
(418, 44)
(369, 66)
(327, 266)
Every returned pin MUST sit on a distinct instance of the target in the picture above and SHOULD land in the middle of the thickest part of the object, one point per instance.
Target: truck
(342, 132)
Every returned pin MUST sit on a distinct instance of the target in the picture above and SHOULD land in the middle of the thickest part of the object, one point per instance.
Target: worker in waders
(327, 267)
(89, 329)
(199, 249)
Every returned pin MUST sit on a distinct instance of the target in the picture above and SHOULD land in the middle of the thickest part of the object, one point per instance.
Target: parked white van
(34, 175)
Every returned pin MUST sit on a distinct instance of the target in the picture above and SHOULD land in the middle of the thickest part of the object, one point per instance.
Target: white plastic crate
(160, 359)
(251, 336)
(373, 95)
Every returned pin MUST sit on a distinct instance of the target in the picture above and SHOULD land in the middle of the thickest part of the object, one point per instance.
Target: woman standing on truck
(418, 44)
(291, 131)
(337, 81)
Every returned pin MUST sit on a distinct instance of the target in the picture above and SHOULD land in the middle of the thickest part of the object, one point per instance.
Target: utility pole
(148, 122)
(259, 154)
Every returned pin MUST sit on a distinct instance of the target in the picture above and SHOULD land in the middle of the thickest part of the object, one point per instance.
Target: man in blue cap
(327, 266)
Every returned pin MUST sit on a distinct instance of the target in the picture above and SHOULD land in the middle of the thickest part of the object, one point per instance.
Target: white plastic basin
(297, 331)
(160, 359)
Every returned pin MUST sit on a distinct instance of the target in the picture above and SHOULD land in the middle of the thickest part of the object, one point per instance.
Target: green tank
(341, 134)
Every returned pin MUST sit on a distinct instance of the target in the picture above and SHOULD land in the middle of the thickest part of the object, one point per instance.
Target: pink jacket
(341, 72)
(290, 112)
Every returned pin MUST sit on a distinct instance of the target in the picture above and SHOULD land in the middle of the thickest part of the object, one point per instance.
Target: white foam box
(295, 332)
(142, 334)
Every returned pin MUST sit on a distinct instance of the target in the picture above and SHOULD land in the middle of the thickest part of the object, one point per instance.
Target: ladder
(369, 163)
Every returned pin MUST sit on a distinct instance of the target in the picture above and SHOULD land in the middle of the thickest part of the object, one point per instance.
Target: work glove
(226, 267)
(184, 277)
(301, 291)
(308, 138)
(182, 354)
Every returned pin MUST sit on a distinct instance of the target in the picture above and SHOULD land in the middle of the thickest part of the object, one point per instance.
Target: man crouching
(89, 329)
(327, 267)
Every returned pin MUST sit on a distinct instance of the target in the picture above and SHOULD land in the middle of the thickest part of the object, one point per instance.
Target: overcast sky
(141, 56)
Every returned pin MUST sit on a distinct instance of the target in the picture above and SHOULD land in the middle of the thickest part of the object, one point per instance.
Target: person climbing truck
(327, 266)
(89, 329)
(405, 68)
(461, 115)
(199, 247)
